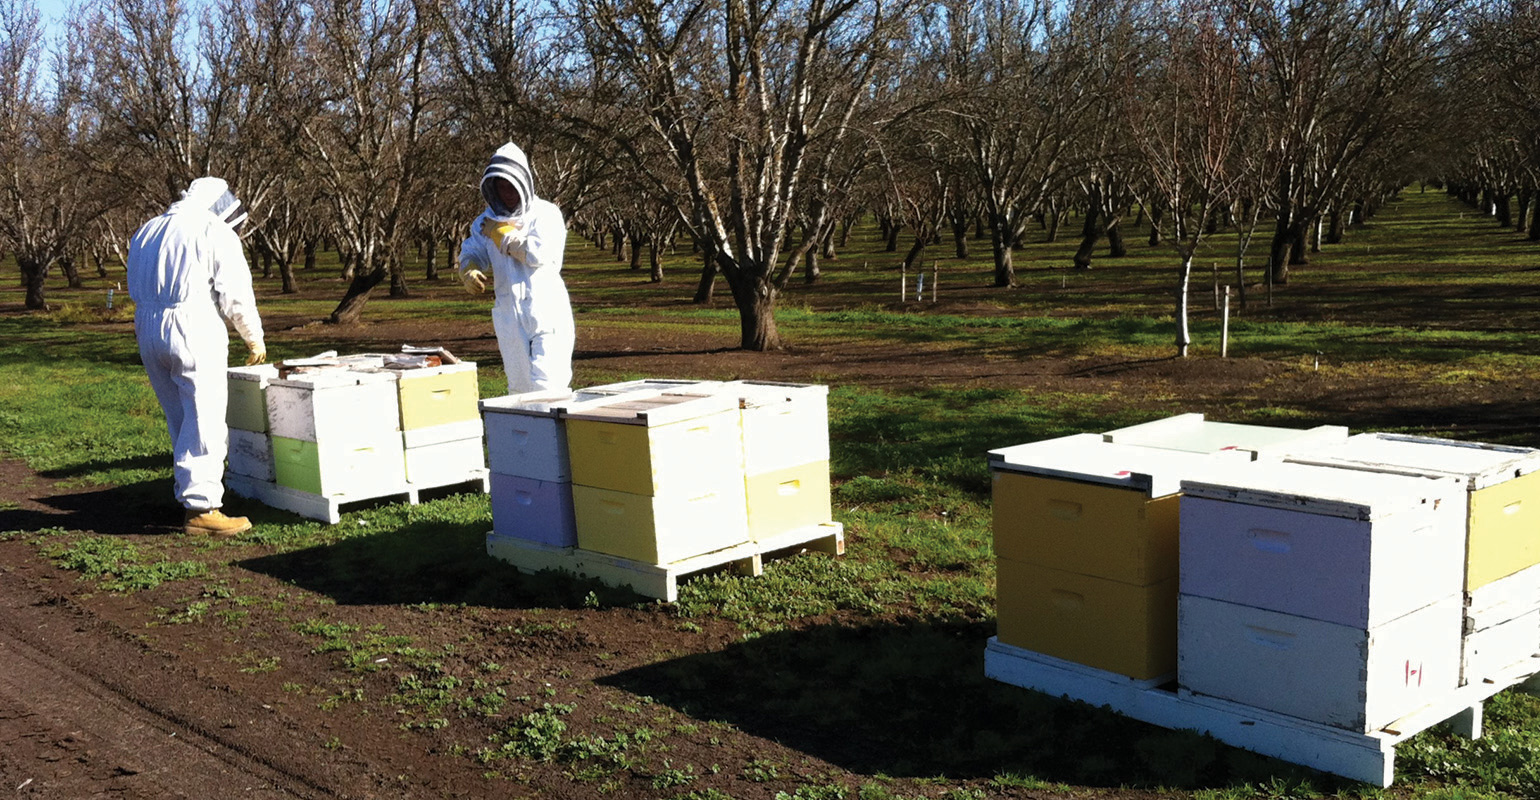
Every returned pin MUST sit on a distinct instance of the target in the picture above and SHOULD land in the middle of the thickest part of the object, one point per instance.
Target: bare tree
(52, 195)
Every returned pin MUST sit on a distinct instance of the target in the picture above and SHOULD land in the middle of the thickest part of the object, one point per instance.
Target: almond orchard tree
(54, 191)
(1189, 119)
(750, 101)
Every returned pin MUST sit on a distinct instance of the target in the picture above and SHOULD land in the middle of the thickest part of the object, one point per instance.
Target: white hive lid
(259, 372)
(1193, 433)
(1478, 465)
(1327, 490)
(654, 409)
(1087, 457)
(653, 385)
(752, 394)
(542, 404)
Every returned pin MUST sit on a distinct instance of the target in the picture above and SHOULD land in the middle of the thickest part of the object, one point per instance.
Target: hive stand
(661, 581)
(327, 508)
(1368, 757)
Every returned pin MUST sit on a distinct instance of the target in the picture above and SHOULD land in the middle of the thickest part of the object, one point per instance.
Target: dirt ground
(98, 700)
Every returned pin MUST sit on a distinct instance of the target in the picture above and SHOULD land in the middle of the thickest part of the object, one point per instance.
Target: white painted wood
(1477, 464)
(438, 434)
(251, 454)
(333, 405)
(328, 508)
(785, 425)
(1192, 433)
(654, 410)
(1350, 493)
(1086, 457)
(1503, 599)
(651, 580)
(526, 436)
(1467, 723)
(1359, 572)
(1367, 757)
(1492, 650)
(425, 464)
(1319, 671)
(654, 385)
(673, 527)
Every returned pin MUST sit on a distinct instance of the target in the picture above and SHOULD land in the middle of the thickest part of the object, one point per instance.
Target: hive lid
(258, 372)
(755, 394)
(1327, 490)
(1193, 433)
(1478, 465)
(331, 378)
(654, 385)
(653, 410)
(1088, 457)
(546, 403)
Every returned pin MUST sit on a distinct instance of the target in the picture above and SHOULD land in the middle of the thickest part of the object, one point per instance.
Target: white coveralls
(186, 269)
(531, 312)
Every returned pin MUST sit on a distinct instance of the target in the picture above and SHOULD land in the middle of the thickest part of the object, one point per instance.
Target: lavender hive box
(533, 510)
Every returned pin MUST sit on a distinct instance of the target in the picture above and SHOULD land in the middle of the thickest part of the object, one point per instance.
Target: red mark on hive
(1122, 473)
(1413, 672)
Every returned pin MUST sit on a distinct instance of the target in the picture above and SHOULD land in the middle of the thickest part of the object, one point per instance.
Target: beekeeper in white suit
(521, 239)
(187, 275)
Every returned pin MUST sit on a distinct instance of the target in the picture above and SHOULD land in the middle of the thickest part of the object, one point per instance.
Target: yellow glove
(475, 282)
(507, 237)
(258, 355)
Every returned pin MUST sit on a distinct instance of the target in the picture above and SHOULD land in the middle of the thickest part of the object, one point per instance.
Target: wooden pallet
(1368, 757)
(661, 581)
(327, 508)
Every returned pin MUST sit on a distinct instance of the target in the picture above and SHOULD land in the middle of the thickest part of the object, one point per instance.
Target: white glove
(509, 237)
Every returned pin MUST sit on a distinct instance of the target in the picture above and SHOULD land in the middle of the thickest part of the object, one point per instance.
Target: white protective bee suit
(187, 275)
(523, 246)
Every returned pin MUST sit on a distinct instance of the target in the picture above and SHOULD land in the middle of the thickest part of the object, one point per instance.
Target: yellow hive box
(1117, 627)
(667, 444)
(1116, 533)
(438, 395)
(1502, 484)
(659, 530)
(788, 499)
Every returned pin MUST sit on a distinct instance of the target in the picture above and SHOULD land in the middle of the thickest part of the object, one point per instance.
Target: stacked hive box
(1086, 542)
(1325, 594)
(337, 432)
(251, 448)
(441, 432)
(1500, 511)
(785, 455)
(531, 473)
(657, 478)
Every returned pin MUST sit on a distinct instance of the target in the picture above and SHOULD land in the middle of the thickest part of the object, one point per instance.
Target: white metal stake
(903, 284)
(1224, 328)
(935, 280)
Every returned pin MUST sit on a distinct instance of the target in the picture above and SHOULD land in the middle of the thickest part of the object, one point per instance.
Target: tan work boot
(213, 522)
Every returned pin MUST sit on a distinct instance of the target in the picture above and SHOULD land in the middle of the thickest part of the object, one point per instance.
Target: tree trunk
(1336, 229)
(1299, 252)
(959, 227)
(1055, 218)
(756, 312)
(431, 256)
(914, 253)
(352, 306)
(309, 254)
(1000, 236)
(1504, 206)
(708, 274)
(286, 274)
(1089, 233)
(33, 273)
(1520, 220)
(1534, 220)
(71, 275)
(655, 261)
(634, 248)
(1183, 333)
(845, 225)
(397, 277)
(1115, 239)
(1313, 233)
(893, 229)
(1156, 215)
(811, 274)
(1278, 251)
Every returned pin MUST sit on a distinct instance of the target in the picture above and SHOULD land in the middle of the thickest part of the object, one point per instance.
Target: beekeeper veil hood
(511, 165)
(214, 194)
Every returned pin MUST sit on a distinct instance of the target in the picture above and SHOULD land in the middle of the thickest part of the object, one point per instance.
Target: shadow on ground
(911, 700)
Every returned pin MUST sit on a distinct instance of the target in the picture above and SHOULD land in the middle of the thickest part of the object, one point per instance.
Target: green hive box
(363, 468)
(247, 406)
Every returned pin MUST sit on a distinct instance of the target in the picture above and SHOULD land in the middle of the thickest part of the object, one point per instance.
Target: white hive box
(333, 405)
(1502, 483)
(785, 425)
(443, 451)
(247, 404)
(1349, 547)
(1502, 625)
(1191, 432)
(357, 467)
(1337, 675)
(251, 454)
